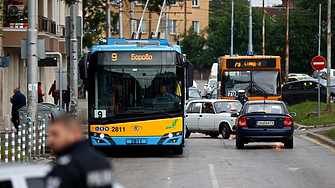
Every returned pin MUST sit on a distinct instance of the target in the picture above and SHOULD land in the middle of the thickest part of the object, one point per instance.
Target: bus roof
(136, 45)
(250, 57)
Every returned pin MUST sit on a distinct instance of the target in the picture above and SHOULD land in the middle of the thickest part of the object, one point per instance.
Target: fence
(25, 147)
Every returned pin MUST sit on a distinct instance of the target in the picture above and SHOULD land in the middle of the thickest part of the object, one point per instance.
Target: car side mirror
(293, 114)
(234, 115)
(206, 85)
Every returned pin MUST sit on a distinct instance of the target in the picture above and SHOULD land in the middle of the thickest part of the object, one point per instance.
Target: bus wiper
(110, 120)
(159, 110)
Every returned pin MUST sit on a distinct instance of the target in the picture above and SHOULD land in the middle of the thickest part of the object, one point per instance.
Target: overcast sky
(268, 3)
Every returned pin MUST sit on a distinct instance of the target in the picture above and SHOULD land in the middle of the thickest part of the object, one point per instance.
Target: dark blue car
(264, 121)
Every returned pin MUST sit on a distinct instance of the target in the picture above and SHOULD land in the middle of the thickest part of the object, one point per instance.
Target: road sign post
(319, 63)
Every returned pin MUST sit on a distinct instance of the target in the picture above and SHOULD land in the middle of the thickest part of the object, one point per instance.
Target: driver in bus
(241, 97)
(164, 94)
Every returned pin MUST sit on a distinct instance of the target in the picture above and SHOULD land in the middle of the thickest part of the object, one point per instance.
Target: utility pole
(232, 29)
(185, 18)
(319, 36)
(120, 19)
(263, 29)
(32, 62)
(287, 41)
(108, 21)
(73, 61)
(329, 52)
(166, 23)
(132, 5)
(250, 28)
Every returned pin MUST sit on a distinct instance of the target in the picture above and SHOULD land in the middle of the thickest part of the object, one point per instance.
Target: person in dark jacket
(18, 100)
(241, 97)
(66, 98)
(77, 165)
(40, 93)
(54, 93)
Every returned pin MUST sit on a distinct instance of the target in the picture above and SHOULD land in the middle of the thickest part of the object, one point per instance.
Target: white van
(214, 71)
(332, 73)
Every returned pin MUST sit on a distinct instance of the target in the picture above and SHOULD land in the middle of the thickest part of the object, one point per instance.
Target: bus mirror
(83, 67)
(189, 74)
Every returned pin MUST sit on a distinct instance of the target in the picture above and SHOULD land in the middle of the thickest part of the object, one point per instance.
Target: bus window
(236, 80)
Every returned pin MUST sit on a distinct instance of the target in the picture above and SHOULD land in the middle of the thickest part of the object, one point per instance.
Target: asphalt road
(217, 163)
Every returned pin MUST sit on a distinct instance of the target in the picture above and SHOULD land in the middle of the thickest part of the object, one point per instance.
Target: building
(51, 28)
(180, 18)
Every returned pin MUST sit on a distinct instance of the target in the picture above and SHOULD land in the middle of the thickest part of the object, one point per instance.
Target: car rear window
(227, 106)
(194, 107)
(265, 108)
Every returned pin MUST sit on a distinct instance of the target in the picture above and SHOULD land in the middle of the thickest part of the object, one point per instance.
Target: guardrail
(25, 147)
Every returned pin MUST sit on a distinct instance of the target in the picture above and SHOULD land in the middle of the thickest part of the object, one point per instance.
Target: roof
(251, 57)
(265, 101)
(136, 45)
(28, 170)
(215, 100)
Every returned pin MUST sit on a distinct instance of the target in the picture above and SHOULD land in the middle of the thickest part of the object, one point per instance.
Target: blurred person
(18, 100)
(53, 92)
(77, 165)
(40, 93)
(241, 97)
(66, 98)
(164, 94)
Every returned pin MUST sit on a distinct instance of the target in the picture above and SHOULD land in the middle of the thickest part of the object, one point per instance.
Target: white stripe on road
(318, 63)
(213, 176)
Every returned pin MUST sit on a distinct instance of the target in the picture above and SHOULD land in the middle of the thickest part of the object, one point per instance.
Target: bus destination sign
(251, 63)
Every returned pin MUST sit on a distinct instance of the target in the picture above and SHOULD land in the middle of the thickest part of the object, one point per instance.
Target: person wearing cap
(241, 97)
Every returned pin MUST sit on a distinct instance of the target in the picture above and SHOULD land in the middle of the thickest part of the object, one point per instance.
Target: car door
(295, 92)
(206, 118)
(311, 91)
(192, 115)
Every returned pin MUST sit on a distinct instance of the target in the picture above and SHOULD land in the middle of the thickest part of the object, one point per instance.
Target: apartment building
(51, 28)
(181, 16)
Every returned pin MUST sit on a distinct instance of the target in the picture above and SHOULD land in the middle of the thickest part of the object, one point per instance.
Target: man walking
(77, 165)
(18, 100)
(53, 92)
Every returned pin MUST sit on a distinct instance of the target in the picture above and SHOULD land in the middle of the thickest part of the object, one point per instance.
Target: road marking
(319, 143)
(213, 176)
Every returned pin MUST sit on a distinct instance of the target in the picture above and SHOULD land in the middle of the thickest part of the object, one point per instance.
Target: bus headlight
(170, 135)
(102, 136)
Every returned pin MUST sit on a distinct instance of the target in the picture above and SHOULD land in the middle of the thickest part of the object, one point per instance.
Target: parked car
(193, 94)
(298, 77)
(212, 116)
(306, 90)
(264, 121)
(323, 75)
(210, 86)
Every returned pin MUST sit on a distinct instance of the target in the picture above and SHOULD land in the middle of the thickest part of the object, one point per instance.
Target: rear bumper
(265, 135)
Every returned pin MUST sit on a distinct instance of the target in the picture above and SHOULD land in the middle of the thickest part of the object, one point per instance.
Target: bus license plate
(265, 123)
(133, 141)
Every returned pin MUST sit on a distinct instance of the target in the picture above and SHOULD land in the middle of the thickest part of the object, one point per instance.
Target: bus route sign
(318, 63)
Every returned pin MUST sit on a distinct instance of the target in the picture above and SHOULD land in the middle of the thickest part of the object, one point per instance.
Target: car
(306, 90)
(212, 116)
(214, 94)
(264, 121)
(298, 77)
(209, 87)
(193, 94)
(323, 75)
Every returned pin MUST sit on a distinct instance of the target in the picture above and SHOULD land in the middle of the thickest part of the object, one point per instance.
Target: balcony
(15, 15)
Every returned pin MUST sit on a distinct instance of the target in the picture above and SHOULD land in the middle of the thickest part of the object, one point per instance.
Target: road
(217, 163)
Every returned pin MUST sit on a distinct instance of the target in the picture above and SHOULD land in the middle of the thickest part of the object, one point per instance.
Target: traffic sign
(318, 63)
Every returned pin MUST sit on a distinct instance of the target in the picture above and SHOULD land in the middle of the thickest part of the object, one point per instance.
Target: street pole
(287, 41)
(329, 35)
(60, 81)
(250, 27)
(108, 21)
(263, 30)
(166, 23)
(120, 19)
(132, 5)
(319, 53)
(73, 61)
(185, 18)
(32, 63)
(232, 29)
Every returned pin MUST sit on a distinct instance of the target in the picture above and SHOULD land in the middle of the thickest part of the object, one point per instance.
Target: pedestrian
(18, 100)
(54, 93)
(40, 93)
(241, 97)
(77, 165)
(66, 98)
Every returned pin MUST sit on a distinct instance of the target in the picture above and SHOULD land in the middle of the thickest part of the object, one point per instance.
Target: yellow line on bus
(319, 143)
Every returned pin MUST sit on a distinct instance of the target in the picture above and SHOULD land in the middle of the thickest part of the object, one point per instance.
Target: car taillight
(242, 122)
(312, 76)
(288, 122)
(326, 77)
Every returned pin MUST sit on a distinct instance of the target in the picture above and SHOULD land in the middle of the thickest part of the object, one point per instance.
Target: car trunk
(265, 121)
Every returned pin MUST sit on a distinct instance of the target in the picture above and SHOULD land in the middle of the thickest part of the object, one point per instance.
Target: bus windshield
(128, 91)
(255, 83)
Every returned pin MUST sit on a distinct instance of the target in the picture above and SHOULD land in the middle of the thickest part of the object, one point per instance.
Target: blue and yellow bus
(136, 93)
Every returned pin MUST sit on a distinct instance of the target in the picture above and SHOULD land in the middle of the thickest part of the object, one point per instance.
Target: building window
(195, 3)
(139, 3)
(173, 3)
(173, 26)
(196, 26)
(115, 2)
(143, 27)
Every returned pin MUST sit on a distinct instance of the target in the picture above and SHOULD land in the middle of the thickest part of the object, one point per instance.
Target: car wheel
(289, 144)
(178, 150)
(188, 133)
(286, 102)
(214, 135)
(239, 143)
(225, 131)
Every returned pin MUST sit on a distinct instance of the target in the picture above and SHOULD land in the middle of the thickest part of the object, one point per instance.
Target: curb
(322, 139)
(299, 126)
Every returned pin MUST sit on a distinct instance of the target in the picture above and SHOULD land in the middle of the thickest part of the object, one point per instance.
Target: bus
(259, 76)
(136, 93)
